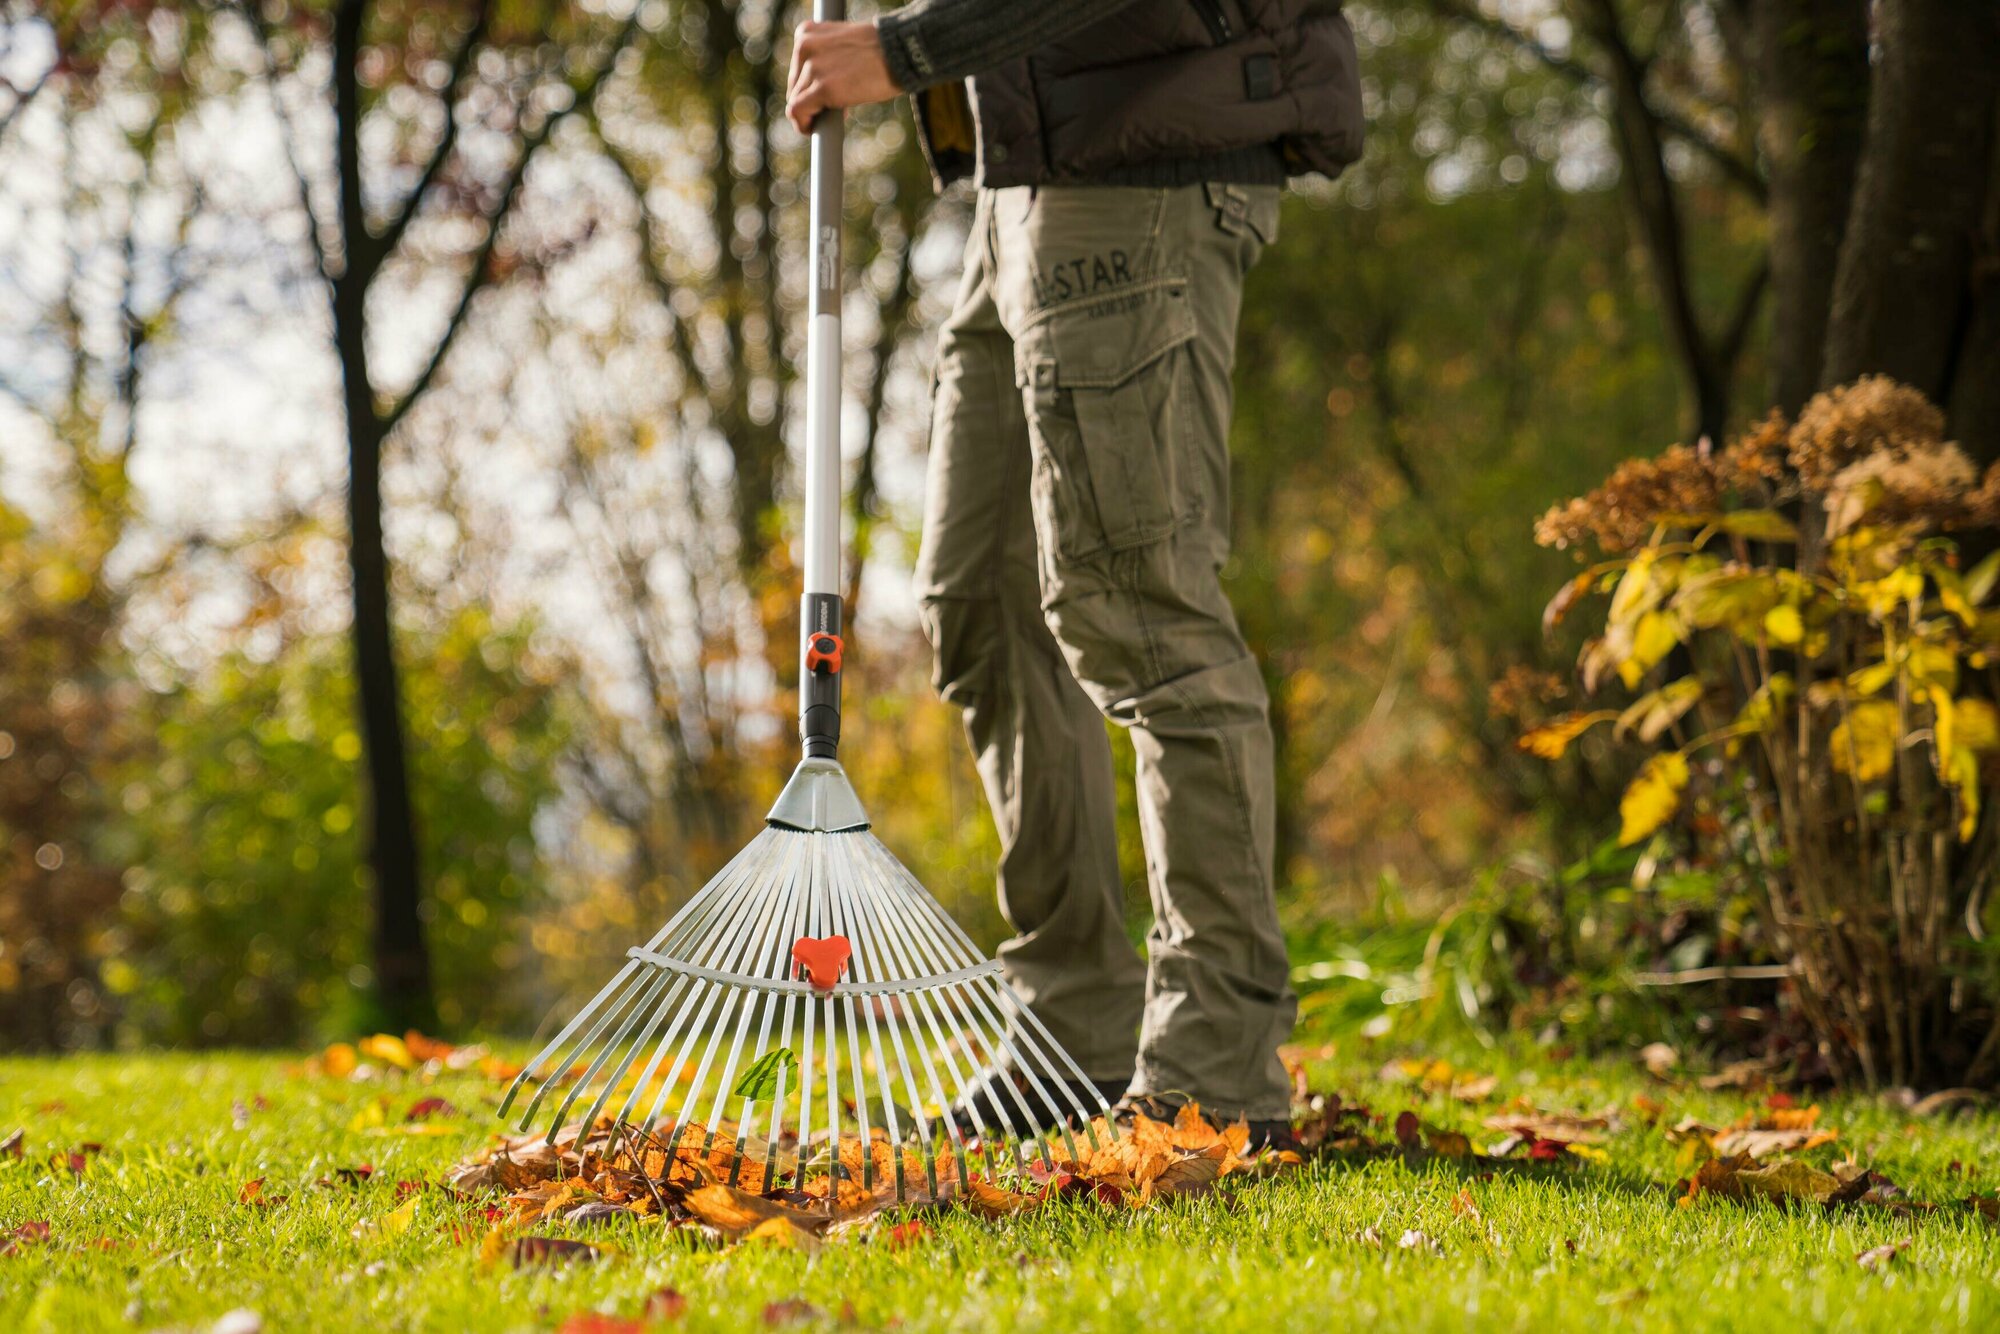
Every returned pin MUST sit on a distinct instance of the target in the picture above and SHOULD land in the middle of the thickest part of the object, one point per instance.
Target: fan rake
(813, 987)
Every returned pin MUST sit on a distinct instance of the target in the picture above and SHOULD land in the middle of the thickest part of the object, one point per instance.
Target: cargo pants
(1076, 521)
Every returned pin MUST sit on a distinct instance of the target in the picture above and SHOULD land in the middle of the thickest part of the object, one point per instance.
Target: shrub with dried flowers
(1792, 620)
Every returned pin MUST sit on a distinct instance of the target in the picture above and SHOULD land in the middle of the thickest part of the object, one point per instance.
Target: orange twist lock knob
(823, 651)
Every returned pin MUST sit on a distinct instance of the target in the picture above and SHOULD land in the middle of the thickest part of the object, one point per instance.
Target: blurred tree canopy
(396, 481)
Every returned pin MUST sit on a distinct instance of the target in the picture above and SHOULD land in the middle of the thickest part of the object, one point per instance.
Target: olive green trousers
(1077, 519)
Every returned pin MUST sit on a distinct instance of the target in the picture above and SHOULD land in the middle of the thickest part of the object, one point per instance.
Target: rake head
(810, 1006)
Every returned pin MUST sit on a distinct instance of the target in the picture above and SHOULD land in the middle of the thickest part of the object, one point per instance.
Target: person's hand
(835, 65)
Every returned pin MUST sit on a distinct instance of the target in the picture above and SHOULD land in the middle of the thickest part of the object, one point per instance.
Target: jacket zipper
(1216, 20)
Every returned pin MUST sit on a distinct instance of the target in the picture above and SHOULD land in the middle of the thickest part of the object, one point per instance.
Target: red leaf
(822, 961)
(430, 1109)
(22, 1237)
(1409, 1131)
(906, 1234)
(1546, 1150)
(665, 1304)
(593, 1322)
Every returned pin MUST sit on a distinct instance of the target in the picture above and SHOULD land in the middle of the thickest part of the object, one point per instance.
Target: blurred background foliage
(554, 296)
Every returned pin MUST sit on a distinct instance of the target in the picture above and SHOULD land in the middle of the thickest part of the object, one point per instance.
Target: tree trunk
(400, 955)
(401, 958)
(1812, 72)
(1903, 299)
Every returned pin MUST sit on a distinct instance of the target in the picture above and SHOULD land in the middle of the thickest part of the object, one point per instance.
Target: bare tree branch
(384, 242)
(22, 97)
(1738, 169)
(255, 17)
(482, 262)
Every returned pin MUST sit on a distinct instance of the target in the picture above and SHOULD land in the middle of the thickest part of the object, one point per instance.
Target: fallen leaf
(1409, 1131)
(430, 1109)
(1448, 1143)
(1949, 1100)
(1659, 1059)
(594, 1322)
(399, 1219)
(338, 1061)
(736, 1211)
(789, 1310)
(1414, 1240)
(252, 1193)
(388, 1049)
(784, 1233)
(23, 1236)
(983, 1197)
(1464, 1206)
(551, 1252)
(13, 1145)
(665, 1304)
(1879, 1256)
(904, 1235)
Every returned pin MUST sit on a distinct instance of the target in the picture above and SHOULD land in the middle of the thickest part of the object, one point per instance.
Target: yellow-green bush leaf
(1864, 743)
(1757, 525)
(1978, 726)
(1552, 738)
(1962, 777)
(1731, 597)
(1784, 624)
(1653, 797)
(1657, 710)
(1652, 639)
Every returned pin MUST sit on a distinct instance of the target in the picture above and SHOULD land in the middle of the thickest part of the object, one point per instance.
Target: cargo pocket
(1103, 379)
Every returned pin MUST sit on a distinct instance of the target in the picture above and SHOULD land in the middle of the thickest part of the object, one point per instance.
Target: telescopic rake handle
(820, 646)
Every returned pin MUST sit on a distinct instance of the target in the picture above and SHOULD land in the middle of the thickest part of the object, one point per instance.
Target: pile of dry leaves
(735, 1188)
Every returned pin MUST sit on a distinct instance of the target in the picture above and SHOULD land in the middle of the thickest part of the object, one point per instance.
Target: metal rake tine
(605, 1016)
(837, 915)
(529, 1070)
(972, 1006)
(866, 969)
(658, 1008)
(725, 953)
(893, 945)
(665, 1044)
(756, 950)
(770, 949)
(913, 892)
(921, 1002)
(702, 906)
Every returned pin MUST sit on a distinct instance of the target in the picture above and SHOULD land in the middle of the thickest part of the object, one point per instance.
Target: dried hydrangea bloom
(1983, 505)
(1843, 425)
(1522, 692)
(1929, 484)
(1623, 512)
(1758, 457)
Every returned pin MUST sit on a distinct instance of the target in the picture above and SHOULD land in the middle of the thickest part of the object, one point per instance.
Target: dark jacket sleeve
(940, 41)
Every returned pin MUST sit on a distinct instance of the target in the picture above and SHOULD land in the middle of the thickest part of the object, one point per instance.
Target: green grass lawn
(152, 1234)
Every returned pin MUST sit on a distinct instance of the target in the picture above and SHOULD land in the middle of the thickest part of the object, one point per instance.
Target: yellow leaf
(1943, 726)
(400, 1219)
(1871, 680)
(1762, 711)
(1637, 591)
(389, 1049)
(1978, 726)
(1653, 797)
(1657, 710)
(1864, 743)
(1784, 624)
(1590, 1153)
(1962, 777)
(1551, 739)
(1652, 639)
(370, 1115)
